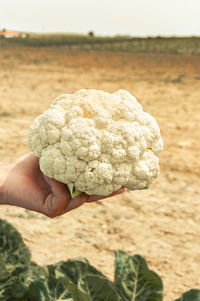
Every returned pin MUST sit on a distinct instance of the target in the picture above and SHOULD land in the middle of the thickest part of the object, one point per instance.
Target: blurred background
(105, 25)
(107, 18)
(150, 48)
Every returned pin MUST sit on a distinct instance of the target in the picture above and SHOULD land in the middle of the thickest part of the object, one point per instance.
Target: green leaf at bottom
(134, 281)
(192, 295)
(99, 288)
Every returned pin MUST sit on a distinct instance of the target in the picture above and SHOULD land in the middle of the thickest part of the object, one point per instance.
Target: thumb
(59, 196)
(57, 188)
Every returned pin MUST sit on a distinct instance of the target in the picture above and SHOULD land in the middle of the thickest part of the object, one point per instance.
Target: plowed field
(162, 223)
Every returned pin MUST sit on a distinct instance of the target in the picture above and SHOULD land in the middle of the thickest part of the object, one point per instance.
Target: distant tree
(91, 34)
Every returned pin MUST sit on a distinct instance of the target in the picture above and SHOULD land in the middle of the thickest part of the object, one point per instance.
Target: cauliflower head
(97, 142)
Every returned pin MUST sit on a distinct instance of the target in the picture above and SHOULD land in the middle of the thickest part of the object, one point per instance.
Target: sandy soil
(162, 223)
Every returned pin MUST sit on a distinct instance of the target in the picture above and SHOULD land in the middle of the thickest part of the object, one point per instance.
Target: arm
(23, 184)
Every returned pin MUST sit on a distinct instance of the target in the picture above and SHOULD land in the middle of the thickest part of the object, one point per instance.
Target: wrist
(3, 175)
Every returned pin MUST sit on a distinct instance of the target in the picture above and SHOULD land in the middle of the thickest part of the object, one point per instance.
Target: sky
(104, 17)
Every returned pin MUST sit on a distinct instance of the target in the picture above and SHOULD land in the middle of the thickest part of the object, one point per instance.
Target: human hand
(23, 184)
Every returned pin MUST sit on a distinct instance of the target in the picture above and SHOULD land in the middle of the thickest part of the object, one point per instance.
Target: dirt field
(161, 223)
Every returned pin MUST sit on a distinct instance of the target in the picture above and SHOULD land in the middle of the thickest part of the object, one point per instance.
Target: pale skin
(22, 184)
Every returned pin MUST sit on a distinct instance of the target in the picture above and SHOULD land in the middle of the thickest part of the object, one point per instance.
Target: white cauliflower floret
(97, 142)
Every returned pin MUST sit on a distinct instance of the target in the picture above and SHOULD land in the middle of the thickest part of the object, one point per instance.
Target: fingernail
(122, 189)
(84, 197)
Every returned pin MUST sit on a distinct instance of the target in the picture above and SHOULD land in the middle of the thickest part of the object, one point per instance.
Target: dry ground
(162, 223)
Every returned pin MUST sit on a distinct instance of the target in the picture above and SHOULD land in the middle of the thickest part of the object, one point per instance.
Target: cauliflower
(97, 142)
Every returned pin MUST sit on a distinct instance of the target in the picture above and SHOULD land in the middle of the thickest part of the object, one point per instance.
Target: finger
(94, 198)
(61, 195)
(75, 202)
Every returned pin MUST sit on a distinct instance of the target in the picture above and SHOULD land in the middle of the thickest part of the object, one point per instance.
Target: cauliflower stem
(73, 191)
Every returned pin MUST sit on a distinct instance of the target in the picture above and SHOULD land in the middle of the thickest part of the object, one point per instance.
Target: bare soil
(162, 223)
